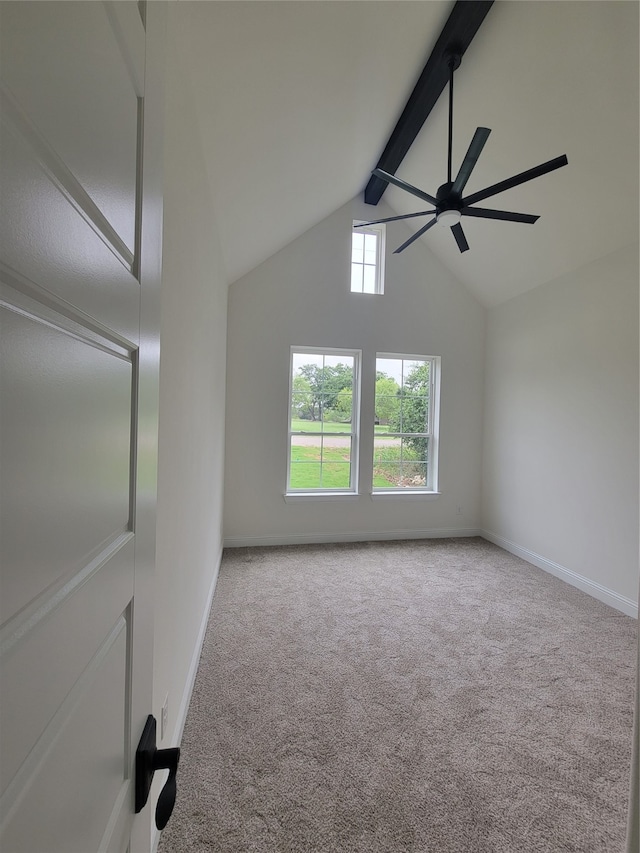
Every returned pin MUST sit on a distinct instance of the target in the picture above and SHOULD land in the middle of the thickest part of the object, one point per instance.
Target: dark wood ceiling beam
(462, 25)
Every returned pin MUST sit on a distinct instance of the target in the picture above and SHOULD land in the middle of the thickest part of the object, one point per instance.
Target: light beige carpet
(439, 696)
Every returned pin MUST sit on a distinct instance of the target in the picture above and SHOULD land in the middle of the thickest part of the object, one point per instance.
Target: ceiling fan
(449, 203)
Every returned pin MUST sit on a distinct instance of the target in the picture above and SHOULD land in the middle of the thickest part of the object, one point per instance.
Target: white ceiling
(296, 101)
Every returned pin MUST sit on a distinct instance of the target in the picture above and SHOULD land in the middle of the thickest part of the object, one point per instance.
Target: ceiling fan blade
(394, 218)
(486, 213)
(415, 236)
(461, 240)
(529, 175)
(379, 173)
(470, 159)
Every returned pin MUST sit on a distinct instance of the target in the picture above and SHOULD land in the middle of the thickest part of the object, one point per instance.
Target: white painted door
(79, 275)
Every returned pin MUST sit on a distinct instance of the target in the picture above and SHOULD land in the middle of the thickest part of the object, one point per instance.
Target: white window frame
(432, 433)
(380, 232)
(354, 433)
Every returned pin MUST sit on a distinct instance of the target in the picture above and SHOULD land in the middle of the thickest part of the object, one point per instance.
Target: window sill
(405, 493)
(295, 497)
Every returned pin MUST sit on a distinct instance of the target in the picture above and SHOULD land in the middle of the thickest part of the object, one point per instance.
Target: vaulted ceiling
(296, 101)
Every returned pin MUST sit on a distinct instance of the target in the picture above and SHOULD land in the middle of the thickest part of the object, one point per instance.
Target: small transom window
(367, 258)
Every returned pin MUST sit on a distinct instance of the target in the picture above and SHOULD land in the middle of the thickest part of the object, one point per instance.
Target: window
(367, 259)
(406, 419)
(323, 420)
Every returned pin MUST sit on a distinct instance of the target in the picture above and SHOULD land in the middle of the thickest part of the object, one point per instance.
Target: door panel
(76, 509)
(51, 644)
(65, 454)
(64, 67)
(79, 762)
(78, 260)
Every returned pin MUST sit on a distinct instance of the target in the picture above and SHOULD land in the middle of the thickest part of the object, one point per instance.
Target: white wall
(192, 390)
(560, 462)
(300, 296)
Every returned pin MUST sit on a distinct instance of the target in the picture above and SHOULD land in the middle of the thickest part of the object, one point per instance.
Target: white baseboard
(356, 536)
(191, 679)
(608, 596)
(195, 658)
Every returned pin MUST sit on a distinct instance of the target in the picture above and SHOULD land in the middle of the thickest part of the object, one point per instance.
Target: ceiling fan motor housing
(448, 200)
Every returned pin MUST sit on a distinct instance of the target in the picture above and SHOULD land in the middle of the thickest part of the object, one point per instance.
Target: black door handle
(148, 760)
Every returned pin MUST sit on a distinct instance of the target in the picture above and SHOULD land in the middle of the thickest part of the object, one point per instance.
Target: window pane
(338, 361)
(301, 410)
(305, 384)
(356, 278)
(383, 480)
(305, 465)
(416, 375)
(304, 475)
(306, 448)
(387, 410)
(333, 420)
(336, 448)
(415, 449)
(386, 461)
(338, 418)
(357, 247)
(308, 426)
(336, 475)
(370, 241)
(336, 462)
(303, 361)
(399, 463)
(390, 367)
(310, 454)
(387, 447)
(387, 476)
(413, 475)
(338, 379)
(369, 283)
(413, 413)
